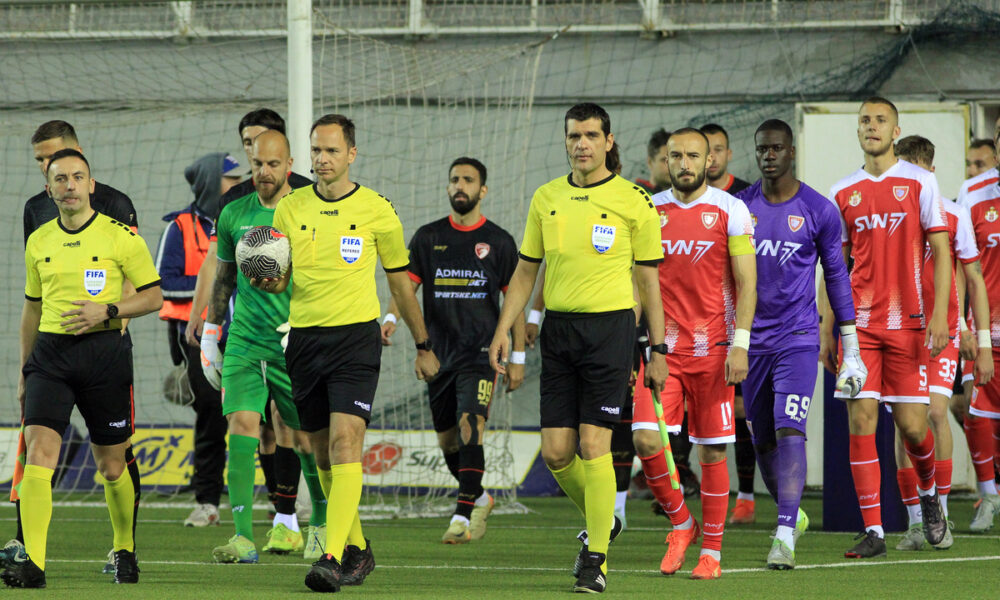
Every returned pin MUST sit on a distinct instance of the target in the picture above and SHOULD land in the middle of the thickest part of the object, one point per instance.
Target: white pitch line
(852, 564)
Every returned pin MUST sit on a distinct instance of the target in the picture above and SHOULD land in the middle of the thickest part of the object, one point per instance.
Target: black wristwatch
(659, 349)
(424, 345)
(112, 311)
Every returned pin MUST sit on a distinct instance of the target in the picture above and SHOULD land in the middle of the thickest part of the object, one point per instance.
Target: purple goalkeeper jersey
(790, 238)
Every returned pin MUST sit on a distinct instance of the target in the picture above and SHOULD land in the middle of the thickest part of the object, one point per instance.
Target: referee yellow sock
(342, 507)
(120, 496)
(36, 511)
(356, 537)
(572, 480)
(325, 480)
(600, 474)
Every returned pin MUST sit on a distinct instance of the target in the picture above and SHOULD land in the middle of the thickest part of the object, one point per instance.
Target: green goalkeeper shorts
(247, 384)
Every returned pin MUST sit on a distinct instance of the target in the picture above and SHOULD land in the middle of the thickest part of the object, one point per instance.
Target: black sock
(470, 479)
(287, 470)
(452, 461)
(133, 473)
(746, 461)
(20, 532)
(622, 455)
(267, 466)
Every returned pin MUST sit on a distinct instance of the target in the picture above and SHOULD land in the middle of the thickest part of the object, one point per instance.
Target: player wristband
(848, 330)
(741, 339)
(516, 358)
(983, 335)
(389, 318)
(534, 317)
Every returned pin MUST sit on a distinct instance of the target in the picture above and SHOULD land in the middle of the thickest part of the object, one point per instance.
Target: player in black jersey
(464, 262)
(49, 138)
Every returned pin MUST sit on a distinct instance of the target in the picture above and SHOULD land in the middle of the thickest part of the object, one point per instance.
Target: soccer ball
(263, 252)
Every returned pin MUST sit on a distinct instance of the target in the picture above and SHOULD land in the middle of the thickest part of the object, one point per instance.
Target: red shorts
(942, 370)
(699, 380)
(986, 398)
(896, 362)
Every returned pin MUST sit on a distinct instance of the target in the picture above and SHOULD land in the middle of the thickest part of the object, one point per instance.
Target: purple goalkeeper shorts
(778, 390)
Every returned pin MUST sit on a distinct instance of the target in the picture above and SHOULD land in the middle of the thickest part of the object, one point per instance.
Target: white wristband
(389, 318)
(534, 317)
(848, 330)
(516, 358)
(741, 339)
(983, 335)
(962, 325)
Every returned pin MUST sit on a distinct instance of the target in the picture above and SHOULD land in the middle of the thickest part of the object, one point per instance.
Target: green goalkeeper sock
(240, 481)
(316, 494)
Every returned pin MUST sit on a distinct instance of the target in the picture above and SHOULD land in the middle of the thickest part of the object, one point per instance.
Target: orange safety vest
(195, 250)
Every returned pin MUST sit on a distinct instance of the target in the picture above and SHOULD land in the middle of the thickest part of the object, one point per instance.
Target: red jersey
(696, 277)
(885, 222)
(962, 245)
(983, 203)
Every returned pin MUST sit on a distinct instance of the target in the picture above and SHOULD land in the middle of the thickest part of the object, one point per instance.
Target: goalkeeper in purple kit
(795, 226)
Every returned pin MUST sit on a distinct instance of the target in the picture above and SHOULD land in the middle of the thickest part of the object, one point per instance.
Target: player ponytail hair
(589, 110)
(613, 161)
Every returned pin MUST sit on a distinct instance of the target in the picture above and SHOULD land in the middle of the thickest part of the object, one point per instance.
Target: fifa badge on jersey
(482, 250)
(602, 237)
(899, 192)
(663, 220)
(795, 222)
(855, 198)
(94, 280)
(991, 214)
(350, 248)
(709, 219)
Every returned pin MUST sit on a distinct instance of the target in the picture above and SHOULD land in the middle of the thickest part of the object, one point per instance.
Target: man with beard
(464, 262)
(708, 282)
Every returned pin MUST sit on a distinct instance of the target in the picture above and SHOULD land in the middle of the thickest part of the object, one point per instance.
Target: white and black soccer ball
(263, 252)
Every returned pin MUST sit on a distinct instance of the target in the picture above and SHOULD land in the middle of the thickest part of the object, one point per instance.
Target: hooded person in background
(182, 249)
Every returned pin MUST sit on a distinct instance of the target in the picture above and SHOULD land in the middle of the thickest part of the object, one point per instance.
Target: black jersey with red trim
(40, 208)
(735, 185)
(462, 269)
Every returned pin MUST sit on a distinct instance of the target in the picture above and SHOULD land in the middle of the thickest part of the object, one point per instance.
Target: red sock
(714, 503)
(658, 480)
(922, 457)
(867, 478)
(979, 436)
(942, 476)
(906, 477)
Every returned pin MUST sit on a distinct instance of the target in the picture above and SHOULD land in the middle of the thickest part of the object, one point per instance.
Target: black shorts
(92, 371)
(466, 390)
(333, 370)
(586, 363)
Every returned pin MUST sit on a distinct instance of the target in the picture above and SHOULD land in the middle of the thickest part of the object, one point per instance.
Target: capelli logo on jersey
(784, 249)
(580, 198)
(855, 198)
(611, 410)
(330, 213)
(75, 244)
(890, 221)
(695, 249)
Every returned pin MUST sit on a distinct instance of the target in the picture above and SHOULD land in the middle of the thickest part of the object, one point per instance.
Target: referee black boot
(591, 579)
(582, 536)
(325, 575)
(24, 574)
(358, 564)
(126, 567)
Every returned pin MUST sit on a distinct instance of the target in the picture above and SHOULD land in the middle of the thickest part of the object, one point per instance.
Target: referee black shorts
(467, 389)
(333, 370)
(92, 371)
(586, 362)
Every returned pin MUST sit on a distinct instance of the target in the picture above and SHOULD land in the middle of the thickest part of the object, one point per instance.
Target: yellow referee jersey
(90, 263)
(334, 246)
(589, 236)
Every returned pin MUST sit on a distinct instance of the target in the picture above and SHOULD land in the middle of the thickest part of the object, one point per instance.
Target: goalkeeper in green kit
(254, 370)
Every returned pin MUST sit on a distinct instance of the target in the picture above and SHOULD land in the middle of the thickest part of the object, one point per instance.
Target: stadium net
(151, 86)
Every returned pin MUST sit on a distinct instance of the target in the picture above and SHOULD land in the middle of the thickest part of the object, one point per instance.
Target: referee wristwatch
(659, 349)
(112, 311)
(424, 345)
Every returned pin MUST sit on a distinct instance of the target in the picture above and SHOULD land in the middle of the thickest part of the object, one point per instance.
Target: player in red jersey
(708, 285)
(940, 372)
(981, 197)
(890, 207)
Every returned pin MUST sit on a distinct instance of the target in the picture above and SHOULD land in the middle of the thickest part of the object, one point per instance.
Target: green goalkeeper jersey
(252, 333)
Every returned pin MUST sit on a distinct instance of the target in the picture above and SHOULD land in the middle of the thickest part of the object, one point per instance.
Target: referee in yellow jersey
(594, 229)
(338, 230)
(73, 353)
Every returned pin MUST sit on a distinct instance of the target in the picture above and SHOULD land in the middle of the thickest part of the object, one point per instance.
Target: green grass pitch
(522, 556)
